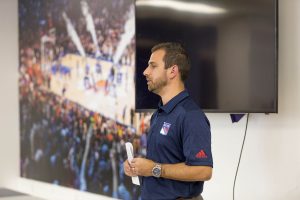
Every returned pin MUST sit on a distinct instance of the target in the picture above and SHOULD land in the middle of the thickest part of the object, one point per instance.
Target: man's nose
(145, 73)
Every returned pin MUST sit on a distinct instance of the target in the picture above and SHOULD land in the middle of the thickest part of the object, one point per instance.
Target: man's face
(155, 73)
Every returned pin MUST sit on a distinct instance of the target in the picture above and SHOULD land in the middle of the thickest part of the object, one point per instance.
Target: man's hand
(128, 169)
(142, 166)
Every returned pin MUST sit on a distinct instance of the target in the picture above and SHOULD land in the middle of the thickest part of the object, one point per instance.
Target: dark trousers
(194, 198)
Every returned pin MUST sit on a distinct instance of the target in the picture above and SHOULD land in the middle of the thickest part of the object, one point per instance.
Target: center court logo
(165, 128)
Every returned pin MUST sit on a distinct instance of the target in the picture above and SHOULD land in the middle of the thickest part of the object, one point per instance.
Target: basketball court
(95, 84)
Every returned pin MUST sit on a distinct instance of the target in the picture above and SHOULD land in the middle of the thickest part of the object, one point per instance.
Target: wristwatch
(156, 171)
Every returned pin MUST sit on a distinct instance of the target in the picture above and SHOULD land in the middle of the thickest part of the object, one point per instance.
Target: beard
(157, 85)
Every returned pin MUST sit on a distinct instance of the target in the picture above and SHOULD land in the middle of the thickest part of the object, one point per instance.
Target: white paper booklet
(129, 150)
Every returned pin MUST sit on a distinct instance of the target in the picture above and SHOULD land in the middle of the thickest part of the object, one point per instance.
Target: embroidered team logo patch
(165, 128)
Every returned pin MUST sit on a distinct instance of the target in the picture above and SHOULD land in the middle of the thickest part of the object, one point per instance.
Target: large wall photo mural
(76, 94)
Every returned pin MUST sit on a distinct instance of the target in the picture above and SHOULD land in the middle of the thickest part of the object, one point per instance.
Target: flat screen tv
(232, 45)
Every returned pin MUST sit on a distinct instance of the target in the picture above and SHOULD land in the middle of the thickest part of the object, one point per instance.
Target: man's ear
(174, 71)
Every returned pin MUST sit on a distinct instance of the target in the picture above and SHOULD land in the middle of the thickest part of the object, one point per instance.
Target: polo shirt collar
(173, 102)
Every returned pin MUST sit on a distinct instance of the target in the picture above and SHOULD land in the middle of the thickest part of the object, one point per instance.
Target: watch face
(156, 171)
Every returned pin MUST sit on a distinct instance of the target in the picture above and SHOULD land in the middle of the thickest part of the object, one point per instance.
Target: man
(179, 157)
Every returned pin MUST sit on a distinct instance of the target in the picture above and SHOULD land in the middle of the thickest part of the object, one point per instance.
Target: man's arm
(183, 172)
(179, 171)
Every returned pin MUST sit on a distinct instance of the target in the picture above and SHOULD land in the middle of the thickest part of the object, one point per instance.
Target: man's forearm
(183, 172)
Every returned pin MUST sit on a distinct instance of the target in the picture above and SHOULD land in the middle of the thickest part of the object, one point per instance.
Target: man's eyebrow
(151, 62)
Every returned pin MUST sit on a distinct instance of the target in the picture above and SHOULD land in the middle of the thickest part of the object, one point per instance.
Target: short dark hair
(175, 55)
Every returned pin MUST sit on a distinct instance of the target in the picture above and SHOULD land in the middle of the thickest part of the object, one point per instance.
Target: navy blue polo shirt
(179, 132)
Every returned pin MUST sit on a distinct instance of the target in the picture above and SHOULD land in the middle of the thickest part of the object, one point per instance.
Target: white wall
(9, 121)
(270, 166)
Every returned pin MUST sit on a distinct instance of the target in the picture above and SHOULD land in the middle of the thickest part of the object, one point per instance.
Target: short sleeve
(196, 137)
